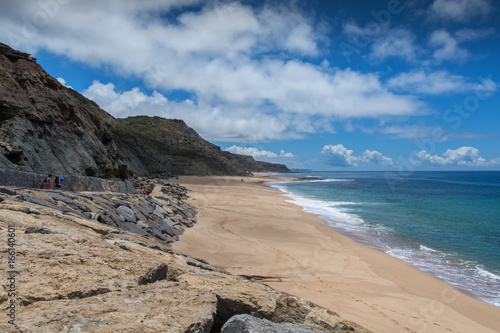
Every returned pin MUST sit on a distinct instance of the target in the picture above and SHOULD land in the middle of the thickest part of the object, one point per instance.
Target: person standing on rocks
(58, 183)
(48, 182)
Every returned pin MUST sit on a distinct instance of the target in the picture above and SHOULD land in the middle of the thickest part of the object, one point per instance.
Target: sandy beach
(248, 228)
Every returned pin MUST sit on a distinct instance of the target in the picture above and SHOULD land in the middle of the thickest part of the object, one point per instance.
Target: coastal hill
(46, 127)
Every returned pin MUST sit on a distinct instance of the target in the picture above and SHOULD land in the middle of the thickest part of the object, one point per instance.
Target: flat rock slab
(166, 305)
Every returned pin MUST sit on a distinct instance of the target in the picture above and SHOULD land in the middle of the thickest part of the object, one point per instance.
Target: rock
(159, 211)
(139, 215)
(97, 278)
(41, 202)
(96, 217)
(17, 178)
(154, 274)
(133, 228)
(248, 324)
(159, 307)
(7, 191)
(166, 227)
(34, 211)
(158, 234)
(34, 230)
(70, 202)
(127, 214)
(169, 222)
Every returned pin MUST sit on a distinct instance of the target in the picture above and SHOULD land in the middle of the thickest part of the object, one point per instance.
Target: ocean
(444, 223)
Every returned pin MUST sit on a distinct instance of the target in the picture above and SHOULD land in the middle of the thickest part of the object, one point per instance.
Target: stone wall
(70, 183)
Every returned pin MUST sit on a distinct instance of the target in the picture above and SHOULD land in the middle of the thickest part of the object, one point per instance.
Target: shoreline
(248, 228)
(367, 237)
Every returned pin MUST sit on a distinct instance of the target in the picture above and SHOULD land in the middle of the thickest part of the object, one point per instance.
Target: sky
(321, 85)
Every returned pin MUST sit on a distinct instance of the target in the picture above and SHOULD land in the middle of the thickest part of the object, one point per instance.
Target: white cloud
(395, 43)
(464, 156)
(467, 34)
(284, 154)
(376, 158)
(338, 155)
(258, 154)
(63, 82)
(414, 132)
(430, 83)
(384, 43)
(238, 124)
(447, 47)
(459, 10)
(238, 62)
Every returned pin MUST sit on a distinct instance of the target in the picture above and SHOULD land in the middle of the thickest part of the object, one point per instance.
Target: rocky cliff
(48, 128)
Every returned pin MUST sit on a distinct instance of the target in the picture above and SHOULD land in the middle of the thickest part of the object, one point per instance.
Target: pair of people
(57, 181)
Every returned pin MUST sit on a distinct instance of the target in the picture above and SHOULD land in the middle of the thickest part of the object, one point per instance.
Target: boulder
(126, 213)
(133, 228)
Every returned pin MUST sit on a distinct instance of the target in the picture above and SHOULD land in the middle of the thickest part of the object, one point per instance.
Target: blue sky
(321, 85)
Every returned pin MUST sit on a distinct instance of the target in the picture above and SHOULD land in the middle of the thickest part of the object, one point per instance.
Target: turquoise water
(443, 223)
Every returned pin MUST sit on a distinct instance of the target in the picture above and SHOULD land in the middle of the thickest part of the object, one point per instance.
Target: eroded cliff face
(48, 128)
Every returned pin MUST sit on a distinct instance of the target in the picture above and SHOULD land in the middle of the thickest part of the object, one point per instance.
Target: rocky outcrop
(72, 273)
(163, 218)
(48, 128)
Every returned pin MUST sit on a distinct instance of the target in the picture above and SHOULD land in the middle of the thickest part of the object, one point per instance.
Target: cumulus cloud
(338, 155)
(464, 156)
(240, 63)
(376, 158)
(242, 126)
(460, 10)
(258, 154)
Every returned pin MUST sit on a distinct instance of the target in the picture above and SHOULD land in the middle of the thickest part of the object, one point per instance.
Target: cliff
(164, 146)
(48, 128)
